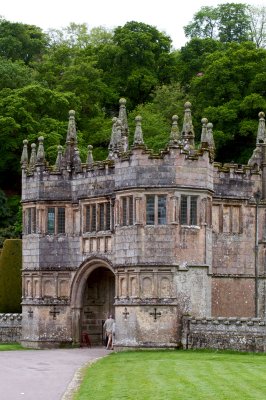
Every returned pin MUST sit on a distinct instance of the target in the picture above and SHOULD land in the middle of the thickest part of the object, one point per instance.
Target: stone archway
(92, 299)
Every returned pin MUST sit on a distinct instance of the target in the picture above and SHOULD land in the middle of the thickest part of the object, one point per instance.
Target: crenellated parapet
(179, 156)
(236, 180)
(10, 327)
(242, 334)
(68, 157)
(124, 167)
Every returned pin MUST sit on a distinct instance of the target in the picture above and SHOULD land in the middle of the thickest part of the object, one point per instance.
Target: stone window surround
(188, 209)
(127, 210)
(97, 216)
(42, 217)
(59, 220)
(173, 205)
(29, 220)
(156, 217)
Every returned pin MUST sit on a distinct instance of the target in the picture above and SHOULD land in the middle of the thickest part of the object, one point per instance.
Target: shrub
(10, 276)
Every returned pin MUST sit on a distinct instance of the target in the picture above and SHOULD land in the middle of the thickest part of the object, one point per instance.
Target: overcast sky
(166, 15)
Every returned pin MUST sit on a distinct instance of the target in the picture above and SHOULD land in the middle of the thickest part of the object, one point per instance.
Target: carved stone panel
(164, 287)
(147, 287)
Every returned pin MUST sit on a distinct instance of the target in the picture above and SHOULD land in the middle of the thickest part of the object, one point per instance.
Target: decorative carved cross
(155, 314)
(54, 311)
(125, 313)
(30, 313)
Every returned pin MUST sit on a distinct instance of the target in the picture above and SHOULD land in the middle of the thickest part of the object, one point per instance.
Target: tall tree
(192, 56)
(228, 22)
(234, 22)
(257, 17)
(139, 60)
(205, 24)
(230, 93)
(21, 41)
(14, 74)
(27, 113)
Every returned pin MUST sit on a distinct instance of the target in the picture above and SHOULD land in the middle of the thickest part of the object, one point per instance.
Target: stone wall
(240, 334)
(233, 295)
(10, 328)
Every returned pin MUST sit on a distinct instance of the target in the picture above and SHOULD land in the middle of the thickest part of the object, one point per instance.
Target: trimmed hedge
(10, 276)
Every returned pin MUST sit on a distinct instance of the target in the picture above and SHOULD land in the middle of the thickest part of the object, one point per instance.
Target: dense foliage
(10, 276)
(221, 71)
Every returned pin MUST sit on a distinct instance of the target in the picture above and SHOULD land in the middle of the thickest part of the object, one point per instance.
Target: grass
(10, 346)
(174, 375)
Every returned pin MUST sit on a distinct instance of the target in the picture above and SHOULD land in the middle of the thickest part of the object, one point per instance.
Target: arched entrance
(92, 299)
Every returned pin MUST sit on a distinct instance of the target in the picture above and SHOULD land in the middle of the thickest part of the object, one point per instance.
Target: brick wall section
(241, 334)
(10, 328)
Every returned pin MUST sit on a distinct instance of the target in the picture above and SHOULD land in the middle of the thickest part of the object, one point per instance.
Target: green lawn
(10, 346)
(174, 375)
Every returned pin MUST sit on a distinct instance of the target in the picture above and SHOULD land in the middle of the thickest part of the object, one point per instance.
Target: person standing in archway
(108, 326)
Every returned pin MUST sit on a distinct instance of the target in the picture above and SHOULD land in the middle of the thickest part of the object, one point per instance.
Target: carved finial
(203, 137)
(123, 117)
(122, 101)
(40, 153)
(24, 155)
(77, 160)
(209, 136)
(90, 156)
(71, 131)
(256, 158)
(174, 135)
(113, 134)
(71, 142)
(261, 135)
(138, 137)
(188, 130)
(124, 124)
(118, 134)
(112, 140)
(33, 157)
(59, 158)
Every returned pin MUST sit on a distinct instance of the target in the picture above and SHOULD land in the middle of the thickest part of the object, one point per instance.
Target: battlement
(231, 321)
(243, 334)
(180, 152)
(10, 318)
(179, 164)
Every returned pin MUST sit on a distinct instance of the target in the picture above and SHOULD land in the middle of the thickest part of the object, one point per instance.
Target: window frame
(58, 221)
(127, 211)
(188, 210)
(155, 218)
(30, 220)
(97, 217)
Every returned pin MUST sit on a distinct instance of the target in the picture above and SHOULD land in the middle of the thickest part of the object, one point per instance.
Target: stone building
(148, 237)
